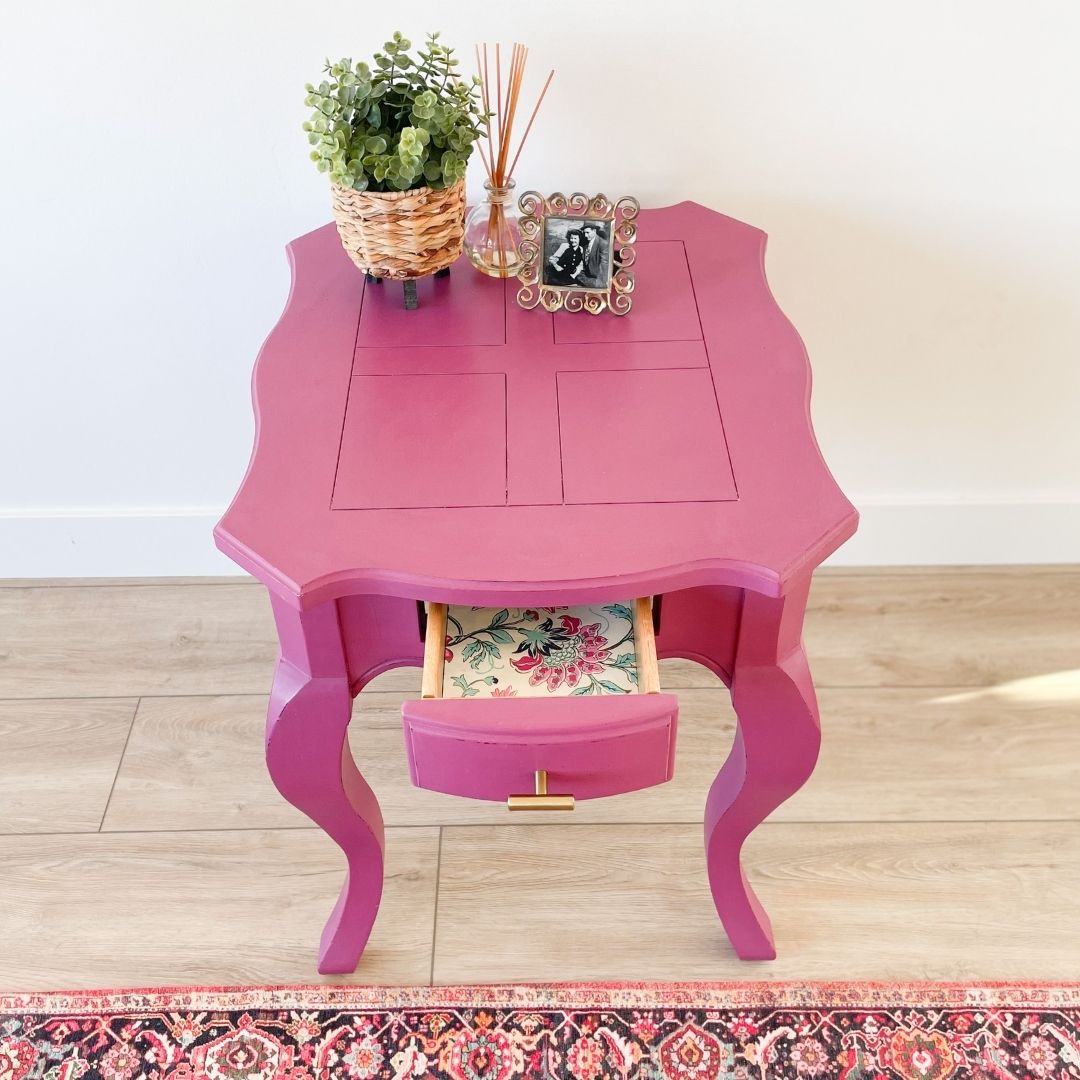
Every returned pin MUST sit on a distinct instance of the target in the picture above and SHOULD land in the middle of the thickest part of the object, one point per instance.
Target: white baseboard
(178, 542)
(942, 533)
(118, 543)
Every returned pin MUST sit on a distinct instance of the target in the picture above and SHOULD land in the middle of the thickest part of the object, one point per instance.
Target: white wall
(917, 166)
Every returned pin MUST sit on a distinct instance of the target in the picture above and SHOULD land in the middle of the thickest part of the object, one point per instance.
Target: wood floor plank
(938, 837)
(887, 755)
(58, 760)
(213, 908)
(928, 755)
(887, 901)
(943, 627)
(935, 627)
(197, 763)
(130, 640)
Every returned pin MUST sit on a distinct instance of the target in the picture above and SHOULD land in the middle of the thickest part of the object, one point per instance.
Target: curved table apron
(471, 452)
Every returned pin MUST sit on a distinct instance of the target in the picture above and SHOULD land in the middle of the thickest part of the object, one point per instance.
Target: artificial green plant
(402, 124)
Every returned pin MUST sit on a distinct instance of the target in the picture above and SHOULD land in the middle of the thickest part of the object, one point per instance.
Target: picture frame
(577, 251)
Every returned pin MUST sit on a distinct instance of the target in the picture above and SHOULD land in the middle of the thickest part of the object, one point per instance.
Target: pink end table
(470, 452)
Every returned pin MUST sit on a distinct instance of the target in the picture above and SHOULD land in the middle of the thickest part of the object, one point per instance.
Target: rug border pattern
(573, 996)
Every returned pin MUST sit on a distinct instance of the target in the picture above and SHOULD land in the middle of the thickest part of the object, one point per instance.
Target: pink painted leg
(775, 750)
(307, 753)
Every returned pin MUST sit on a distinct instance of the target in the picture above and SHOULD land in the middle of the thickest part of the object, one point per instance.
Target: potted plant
(395, 138)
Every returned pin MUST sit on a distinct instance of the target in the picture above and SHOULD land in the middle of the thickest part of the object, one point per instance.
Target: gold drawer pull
(540, 799)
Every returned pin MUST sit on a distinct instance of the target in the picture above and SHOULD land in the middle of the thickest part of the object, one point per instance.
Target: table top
(470, 451)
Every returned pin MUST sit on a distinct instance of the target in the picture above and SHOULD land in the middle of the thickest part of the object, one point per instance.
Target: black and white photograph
(577, 253)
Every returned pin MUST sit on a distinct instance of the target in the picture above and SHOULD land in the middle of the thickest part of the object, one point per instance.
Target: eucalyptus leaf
(395, 123)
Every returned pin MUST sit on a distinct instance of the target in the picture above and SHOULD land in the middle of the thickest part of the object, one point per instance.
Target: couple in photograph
(581, 260)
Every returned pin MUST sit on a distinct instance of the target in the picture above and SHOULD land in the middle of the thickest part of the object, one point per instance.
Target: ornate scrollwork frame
(615, 296)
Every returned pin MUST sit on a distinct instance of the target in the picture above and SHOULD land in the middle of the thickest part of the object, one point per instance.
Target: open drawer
(519, 700)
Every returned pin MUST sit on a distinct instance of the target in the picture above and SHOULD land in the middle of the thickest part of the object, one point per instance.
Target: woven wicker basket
(401, 234)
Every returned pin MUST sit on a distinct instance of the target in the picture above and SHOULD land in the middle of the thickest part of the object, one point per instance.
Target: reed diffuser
(492, 236)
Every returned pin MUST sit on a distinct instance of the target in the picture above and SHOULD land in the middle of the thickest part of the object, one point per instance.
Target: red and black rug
(748, 1031)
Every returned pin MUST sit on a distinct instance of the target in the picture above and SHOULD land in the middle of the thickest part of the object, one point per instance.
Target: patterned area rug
(748, 1031)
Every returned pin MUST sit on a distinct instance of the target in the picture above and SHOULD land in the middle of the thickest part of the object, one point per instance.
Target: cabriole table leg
(775, 750)
(307, 753)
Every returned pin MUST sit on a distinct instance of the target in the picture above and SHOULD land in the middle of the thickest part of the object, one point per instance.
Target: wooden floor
(141, 842)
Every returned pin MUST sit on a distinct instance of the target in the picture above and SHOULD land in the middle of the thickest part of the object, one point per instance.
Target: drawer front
(589, 746)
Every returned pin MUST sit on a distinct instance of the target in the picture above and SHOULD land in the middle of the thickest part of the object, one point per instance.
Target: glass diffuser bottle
(492, 229)
(492, 233)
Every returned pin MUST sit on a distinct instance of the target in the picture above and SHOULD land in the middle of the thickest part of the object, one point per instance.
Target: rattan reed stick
(505, 110)
(528, 126)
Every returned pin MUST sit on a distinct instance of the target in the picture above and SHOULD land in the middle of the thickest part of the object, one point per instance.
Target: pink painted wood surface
(285, 524)
(669, 313)
(379, 633)
(310, 763)
(462, 309)
(414, 425)
(491, 747)
(702, 625)
(676, 407)
(669, 452)
(775, 750)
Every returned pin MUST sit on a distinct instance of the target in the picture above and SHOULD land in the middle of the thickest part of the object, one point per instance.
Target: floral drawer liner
(536, 652)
